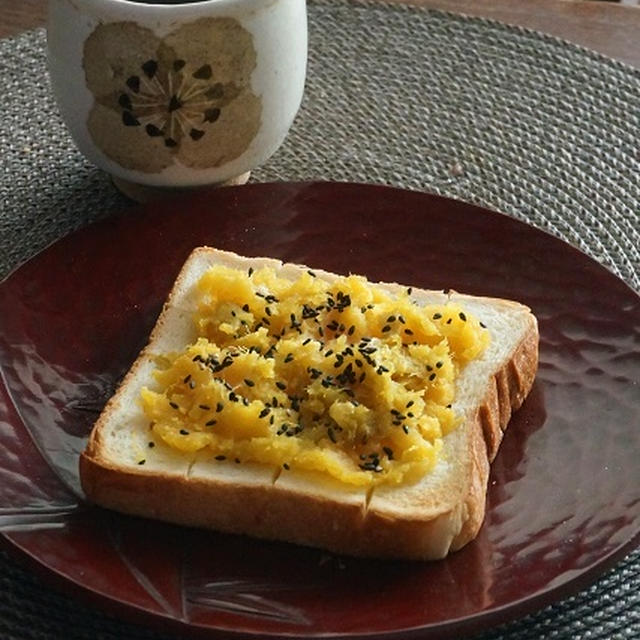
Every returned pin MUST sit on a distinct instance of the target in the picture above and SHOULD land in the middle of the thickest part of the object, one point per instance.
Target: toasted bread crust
(269, 510)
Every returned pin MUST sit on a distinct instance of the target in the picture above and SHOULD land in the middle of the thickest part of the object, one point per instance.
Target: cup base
(146, 193)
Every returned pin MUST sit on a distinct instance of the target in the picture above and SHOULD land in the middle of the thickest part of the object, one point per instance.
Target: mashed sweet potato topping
(340, 377)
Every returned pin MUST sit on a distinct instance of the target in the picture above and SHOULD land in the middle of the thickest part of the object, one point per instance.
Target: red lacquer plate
(564, 494)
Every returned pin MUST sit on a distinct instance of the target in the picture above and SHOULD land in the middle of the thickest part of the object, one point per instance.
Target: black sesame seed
(204, 407)
(437, 316)
(432, 377)
(141, 462)
(151, 445)
(281, 385)
(483, 325)
(184, 432)
(409, 404)
(462, 317)
(449, 321)
(289, 357)
(250, 272)
(264, 413)
(210, 423)
(285, 466)
(405, 428)
(309, 312)
(221, 457)
(439, 364)
(249, 383)
(313, 275)
(219, 407)
(391, 319)
(187, 379)
(173, 405)
(408, 332)
(389, 452)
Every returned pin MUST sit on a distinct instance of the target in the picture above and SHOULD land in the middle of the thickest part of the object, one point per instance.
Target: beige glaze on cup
(178, 95)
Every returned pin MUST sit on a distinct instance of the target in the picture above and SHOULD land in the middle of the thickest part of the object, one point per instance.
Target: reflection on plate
(564, 495)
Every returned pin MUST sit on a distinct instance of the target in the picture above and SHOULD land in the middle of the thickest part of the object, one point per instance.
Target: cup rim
(151, 5)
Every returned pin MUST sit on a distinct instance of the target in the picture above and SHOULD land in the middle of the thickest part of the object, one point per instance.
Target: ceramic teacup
(177, 94)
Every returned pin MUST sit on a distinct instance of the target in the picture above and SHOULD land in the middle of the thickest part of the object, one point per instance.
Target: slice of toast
(422, 520)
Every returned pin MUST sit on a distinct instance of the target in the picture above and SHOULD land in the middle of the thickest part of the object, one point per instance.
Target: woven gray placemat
(499, 116)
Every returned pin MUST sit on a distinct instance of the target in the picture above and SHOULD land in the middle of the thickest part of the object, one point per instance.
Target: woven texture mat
(495, 115)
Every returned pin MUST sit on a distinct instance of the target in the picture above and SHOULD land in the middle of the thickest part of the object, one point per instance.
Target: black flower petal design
(203, 73)
(150, 67)
(129, 120)
(171, 103)
(133, 83)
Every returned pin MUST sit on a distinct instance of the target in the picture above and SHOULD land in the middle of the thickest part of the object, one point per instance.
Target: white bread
(425, 520)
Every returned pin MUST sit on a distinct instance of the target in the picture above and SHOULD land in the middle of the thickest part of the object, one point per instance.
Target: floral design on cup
(173, 108)
(183, 98)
